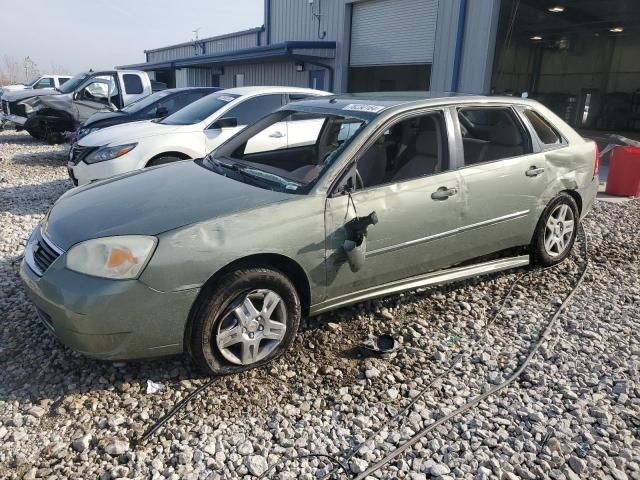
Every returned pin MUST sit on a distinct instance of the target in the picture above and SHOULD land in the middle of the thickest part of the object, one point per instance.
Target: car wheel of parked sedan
(556, 231)
(248, 319)
(163, 160)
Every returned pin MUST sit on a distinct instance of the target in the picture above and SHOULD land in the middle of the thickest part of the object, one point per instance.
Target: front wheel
(556, 231)
(247, 320)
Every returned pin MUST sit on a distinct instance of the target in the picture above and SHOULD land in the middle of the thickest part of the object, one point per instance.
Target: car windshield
(31, 82)
(200, 109)
(145, 101)
(288, 150)
(71, 84)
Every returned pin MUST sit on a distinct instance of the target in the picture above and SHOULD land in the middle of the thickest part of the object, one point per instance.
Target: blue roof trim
(246, 54)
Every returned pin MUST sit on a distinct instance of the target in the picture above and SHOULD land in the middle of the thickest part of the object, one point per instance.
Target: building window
(238, 80)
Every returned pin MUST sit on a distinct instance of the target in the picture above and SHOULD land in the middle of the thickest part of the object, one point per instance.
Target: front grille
(44, 254)
(16, 109)
(79, 153)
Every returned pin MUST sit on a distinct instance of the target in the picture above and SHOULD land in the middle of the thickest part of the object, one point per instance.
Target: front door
(99, 93)
(245, 112)
(404, 176)
(502, 178)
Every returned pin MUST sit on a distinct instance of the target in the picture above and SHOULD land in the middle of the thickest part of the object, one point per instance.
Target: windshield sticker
(358, 107)
(291, 186)
(226, 98)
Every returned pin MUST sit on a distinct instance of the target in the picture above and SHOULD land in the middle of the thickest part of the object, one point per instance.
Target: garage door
(393, 32)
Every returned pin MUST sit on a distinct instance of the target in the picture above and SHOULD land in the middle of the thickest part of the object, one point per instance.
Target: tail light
(596, 165)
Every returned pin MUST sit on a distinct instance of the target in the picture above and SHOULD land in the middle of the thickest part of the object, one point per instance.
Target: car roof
(190, 89)
(242, 91)
(368, 105)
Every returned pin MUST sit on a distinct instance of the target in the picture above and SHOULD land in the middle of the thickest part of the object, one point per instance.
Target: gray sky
(82, 34)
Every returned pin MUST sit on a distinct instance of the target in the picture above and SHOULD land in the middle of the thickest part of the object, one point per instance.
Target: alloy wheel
(559, 230)
(252, 327)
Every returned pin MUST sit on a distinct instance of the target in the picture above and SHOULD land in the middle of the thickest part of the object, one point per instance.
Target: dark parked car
(157, 105)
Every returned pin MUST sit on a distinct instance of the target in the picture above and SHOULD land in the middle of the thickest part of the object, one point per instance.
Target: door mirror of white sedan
(228, 122)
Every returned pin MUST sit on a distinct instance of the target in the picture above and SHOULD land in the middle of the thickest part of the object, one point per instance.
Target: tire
(556, 231)
(163, 160)
(37, 134)
(226, 337)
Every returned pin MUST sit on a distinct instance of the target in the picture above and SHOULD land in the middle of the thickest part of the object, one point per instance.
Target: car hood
(106, 118)
(16, 95)
(152, 201)
(128, 132)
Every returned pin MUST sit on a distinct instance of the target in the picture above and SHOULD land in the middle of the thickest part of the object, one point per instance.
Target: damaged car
(222, 256)
(52, 114)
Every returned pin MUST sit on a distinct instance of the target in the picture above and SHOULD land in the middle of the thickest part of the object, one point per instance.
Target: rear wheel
(556, 231)
(163, 160)
(247, 320)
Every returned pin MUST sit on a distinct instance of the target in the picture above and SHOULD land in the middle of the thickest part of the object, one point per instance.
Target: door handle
(276, 135)
(534, 171)
(443, 193)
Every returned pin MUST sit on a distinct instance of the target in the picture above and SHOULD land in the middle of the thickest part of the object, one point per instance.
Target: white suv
(191, 132)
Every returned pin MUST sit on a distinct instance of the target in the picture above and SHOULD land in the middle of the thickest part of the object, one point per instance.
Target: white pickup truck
(43, 81)
(49, 114)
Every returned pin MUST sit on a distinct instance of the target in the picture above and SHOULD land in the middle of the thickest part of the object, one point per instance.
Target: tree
(9, 71)
(30, 69)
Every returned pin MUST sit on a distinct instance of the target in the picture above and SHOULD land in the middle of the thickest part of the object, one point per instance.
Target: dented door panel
(415, 233)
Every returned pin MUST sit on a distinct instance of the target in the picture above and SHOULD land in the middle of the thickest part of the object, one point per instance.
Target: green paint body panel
(204, 222)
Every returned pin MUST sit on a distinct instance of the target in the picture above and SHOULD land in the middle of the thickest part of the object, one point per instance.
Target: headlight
(109, 153)
(31, 105)
(83, 132)
(112, 257)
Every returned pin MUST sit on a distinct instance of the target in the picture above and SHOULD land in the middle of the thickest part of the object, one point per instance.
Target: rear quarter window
(132, 84)
(545, 132)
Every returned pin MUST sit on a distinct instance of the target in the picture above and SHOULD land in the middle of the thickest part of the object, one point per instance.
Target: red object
(596, 165)
(624, 172)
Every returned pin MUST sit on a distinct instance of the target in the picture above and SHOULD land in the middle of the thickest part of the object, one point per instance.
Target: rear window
(132, 84)
(543, 129)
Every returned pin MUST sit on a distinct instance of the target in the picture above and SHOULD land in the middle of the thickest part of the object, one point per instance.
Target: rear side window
(132, 84)
(255, 108)
(543, 129)
(491, 133)
(61, 80)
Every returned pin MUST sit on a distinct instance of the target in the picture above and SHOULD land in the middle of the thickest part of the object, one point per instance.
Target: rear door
(503, 178)
(134, 87)
(407, 179)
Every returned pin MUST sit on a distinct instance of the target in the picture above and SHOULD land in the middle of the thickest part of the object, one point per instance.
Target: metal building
(345, 46)
(576, 56)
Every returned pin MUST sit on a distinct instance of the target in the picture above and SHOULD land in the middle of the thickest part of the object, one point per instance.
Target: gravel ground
(575, 413)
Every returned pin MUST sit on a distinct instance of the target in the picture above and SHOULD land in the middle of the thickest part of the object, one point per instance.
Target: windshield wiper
(254, 175)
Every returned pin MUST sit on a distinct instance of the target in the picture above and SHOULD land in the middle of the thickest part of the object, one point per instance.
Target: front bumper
(82, 173)
(11, 119)
(108, 319)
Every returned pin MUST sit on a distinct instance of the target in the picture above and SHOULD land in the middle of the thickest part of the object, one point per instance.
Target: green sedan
(370, 195)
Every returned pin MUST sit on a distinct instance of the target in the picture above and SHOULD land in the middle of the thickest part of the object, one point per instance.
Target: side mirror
(228, 122)
(77, 94)
(161, 112)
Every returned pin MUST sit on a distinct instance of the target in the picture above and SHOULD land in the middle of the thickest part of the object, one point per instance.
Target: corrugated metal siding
(212, 46)
(182, 79)
(387, 32)
(199, 77)
(294, 20)
(271, 73)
